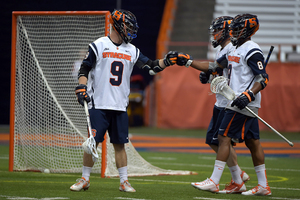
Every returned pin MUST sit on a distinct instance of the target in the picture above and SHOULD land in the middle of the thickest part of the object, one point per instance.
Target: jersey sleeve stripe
(93, 46)
(137, 54)
(253, 51)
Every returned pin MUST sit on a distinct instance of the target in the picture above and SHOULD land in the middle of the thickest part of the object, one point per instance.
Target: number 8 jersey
(109, 77)
(244, 64)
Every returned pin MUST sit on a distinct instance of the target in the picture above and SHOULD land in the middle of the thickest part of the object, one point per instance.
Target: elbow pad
(84, 70)
(263, 79)
(152, 66)
(155, 66)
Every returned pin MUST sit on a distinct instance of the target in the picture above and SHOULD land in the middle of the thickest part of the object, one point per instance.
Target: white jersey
(109, 80)
(241, 76)
(221, 100)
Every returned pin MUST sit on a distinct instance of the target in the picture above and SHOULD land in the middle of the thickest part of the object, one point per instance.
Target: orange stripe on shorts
(227, 129)
(243, 130)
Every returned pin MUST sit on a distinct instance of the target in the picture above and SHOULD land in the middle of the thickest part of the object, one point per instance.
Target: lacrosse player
(247, 76)
(219, 32)
(104, 83)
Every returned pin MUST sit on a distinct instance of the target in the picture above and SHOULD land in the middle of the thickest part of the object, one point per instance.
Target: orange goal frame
(15, 14)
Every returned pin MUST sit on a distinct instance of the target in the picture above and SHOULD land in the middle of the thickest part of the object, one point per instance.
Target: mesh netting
(219, 85)
(50, 125)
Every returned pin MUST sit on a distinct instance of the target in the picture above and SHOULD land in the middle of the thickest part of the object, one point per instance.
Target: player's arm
(158, 65)
(256, 63)
(83, 73)
(205, 66)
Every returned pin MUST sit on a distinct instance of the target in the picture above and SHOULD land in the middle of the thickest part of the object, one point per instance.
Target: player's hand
(204, 77)
(218, 71)
(170, 58)
(184, 59)
(244, 99)
(81, 94)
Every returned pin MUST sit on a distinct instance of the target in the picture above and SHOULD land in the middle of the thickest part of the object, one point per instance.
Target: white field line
(282, 198)
(162, 158)
(210, 166)
(183, 182)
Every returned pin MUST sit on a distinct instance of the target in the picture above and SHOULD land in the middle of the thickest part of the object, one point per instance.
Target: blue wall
(148, 13)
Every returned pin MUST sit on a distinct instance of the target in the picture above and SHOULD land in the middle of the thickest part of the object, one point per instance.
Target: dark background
(148, 13)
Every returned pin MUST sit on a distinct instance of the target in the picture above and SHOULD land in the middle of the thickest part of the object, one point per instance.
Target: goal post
(47, 125)
(29, 31)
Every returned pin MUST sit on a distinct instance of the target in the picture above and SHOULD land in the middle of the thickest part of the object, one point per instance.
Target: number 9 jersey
(109, 77)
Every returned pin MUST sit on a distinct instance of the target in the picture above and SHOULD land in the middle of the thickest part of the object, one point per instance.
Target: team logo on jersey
(94, 131)
(234, 59)
(116, 55)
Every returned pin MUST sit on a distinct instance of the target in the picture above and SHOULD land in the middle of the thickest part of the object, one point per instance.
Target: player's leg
(211, 139)
(210, 184)
(238, 176)
(258, 161)
(118, 132)
(234, 168)
(99, 126)
(231, 127)
(121, 161)
(224, 152)
(212, 130)
(214, 147)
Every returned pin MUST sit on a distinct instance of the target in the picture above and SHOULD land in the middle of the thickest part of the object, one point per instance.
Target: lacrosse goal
(47, 125)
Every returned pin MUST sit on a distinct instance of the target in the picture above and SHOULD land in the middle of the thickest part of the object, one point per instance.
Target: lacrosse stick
(269, 54)
(89, 145)
(219, 85)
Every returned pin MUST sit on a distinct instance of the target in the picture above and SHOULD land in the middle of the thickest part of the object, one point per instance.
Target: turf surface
(283, 174)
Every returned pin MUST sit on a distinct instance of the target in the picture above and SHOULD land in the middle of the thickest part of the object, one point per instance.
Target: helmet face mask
(125, 23)
(242, 28)
(219, 30)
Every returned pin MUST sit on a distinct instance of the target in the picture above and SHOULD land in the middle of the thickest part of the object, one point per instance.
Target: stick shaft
(253, 113)
(88, 118)
(269, 54)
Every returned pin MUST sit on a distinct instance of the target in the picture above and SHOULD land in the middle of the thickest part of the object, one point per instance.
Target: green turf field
(283, 175)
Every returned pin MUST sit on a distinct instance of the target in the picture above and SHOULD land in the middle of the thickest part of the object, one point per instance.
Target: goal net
(47, 125)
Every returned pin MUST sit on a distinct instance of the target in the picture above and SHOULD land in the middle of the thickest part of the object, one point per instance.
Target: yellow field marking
(280, 178)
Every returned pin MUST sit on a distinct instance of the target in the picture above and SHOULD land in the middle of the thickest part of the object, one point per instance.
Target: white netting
(219, 85)
(50, 125)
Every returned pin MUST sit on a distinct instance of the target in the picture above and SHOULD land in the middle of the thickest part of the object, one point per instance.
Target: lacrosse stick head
(219, 85)
(89, 146)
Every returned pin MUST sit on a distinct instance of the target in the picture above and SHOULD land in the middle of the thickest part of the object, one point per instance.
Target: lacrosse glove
(204, 77)
(170, 58)
(244, 99)
(184, 59)
(81, 94)
(218, 71)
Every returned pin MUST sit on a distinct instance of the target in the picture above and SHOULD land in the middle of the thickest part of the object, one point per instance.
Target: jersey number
(260, 65)
(117, 71)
